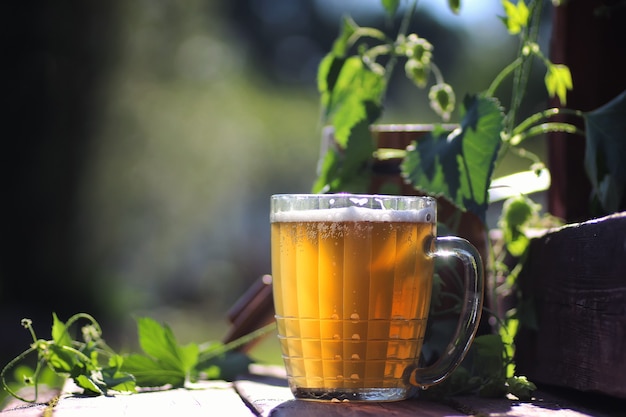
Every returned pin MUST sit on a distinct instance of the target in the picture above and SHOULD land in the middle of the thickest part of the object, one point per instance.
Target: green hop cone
(521, 387)
(417, 72)
(517, 211)
(442, 100)
(419, 49)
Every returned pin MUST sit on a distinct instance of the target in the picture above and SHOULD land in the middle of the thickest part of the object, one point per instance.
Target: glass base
(355, 394)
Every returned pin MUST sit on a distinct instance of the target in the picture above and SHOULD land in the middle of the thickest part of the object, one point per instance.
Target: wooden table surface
(264, 392)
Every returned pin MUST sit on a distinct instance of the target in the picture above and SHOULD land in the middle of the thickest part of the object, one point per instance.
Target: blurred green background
(144, 139)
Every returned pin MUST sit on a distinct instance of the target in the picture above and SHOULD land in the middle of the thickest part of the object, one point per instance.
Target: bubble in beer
(338, 358)
(334, 317)
(355, 357)
(336, 336)
(356, 336)
(355, 377)
(355, 316)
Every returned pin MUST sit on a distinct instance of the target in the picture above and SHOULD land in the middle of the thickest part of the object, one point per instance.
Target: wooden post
(588, 36)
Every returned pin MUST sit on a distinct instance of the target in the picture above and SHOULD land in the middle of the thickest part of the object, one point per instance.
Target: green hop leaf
(558, 81)
(226, 366)
(60, 335)
(494, 388)
(341, 45)
(458, 165)
(489, 351)
(158, 341)
(455, 5)
(606, 151)
(521, 387)
(115, 378)
(165, 362)
(516, 16)
(517, 211)
(88, 384)
(391, 6)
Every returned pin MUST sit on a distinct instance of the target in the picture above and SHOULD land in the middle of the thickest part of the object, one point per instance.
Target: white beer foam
(353, 214)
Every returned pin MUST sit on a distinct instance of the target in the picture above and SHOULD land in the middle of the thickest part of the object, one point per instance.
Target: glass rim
(355, 195)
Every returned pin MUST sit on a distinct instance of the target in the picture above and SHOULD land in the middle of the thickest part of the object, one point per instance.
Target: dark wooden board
(575, 280)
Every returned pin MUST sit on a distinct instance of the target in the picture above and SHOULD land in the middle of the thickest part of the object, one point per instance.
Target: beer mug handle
(470, 312)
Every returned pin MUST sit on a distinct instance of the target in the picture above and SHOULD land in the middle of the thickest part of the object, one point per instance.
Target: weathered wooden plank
(410, 408)
(24, 410)
(576, 280)
(274, 400)
(263, 396)
(543, 405)
(269, 395)
(270, 399)
(196, 402)
(18, 408)
(266, 391)
(202, 400)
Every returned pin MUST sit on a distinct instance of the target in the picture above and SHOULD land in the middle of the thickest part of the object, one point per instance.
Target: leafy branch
(98, 370)
(457, 164)
(352, 81)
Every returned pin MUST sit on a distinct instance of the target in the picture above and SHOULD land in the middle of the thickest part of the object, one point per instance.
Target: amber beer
(352, 284)
(352, 289)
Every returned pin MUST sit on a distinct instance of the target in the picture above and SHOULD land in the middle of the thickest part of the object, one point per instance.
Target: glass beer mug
(352, 280)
